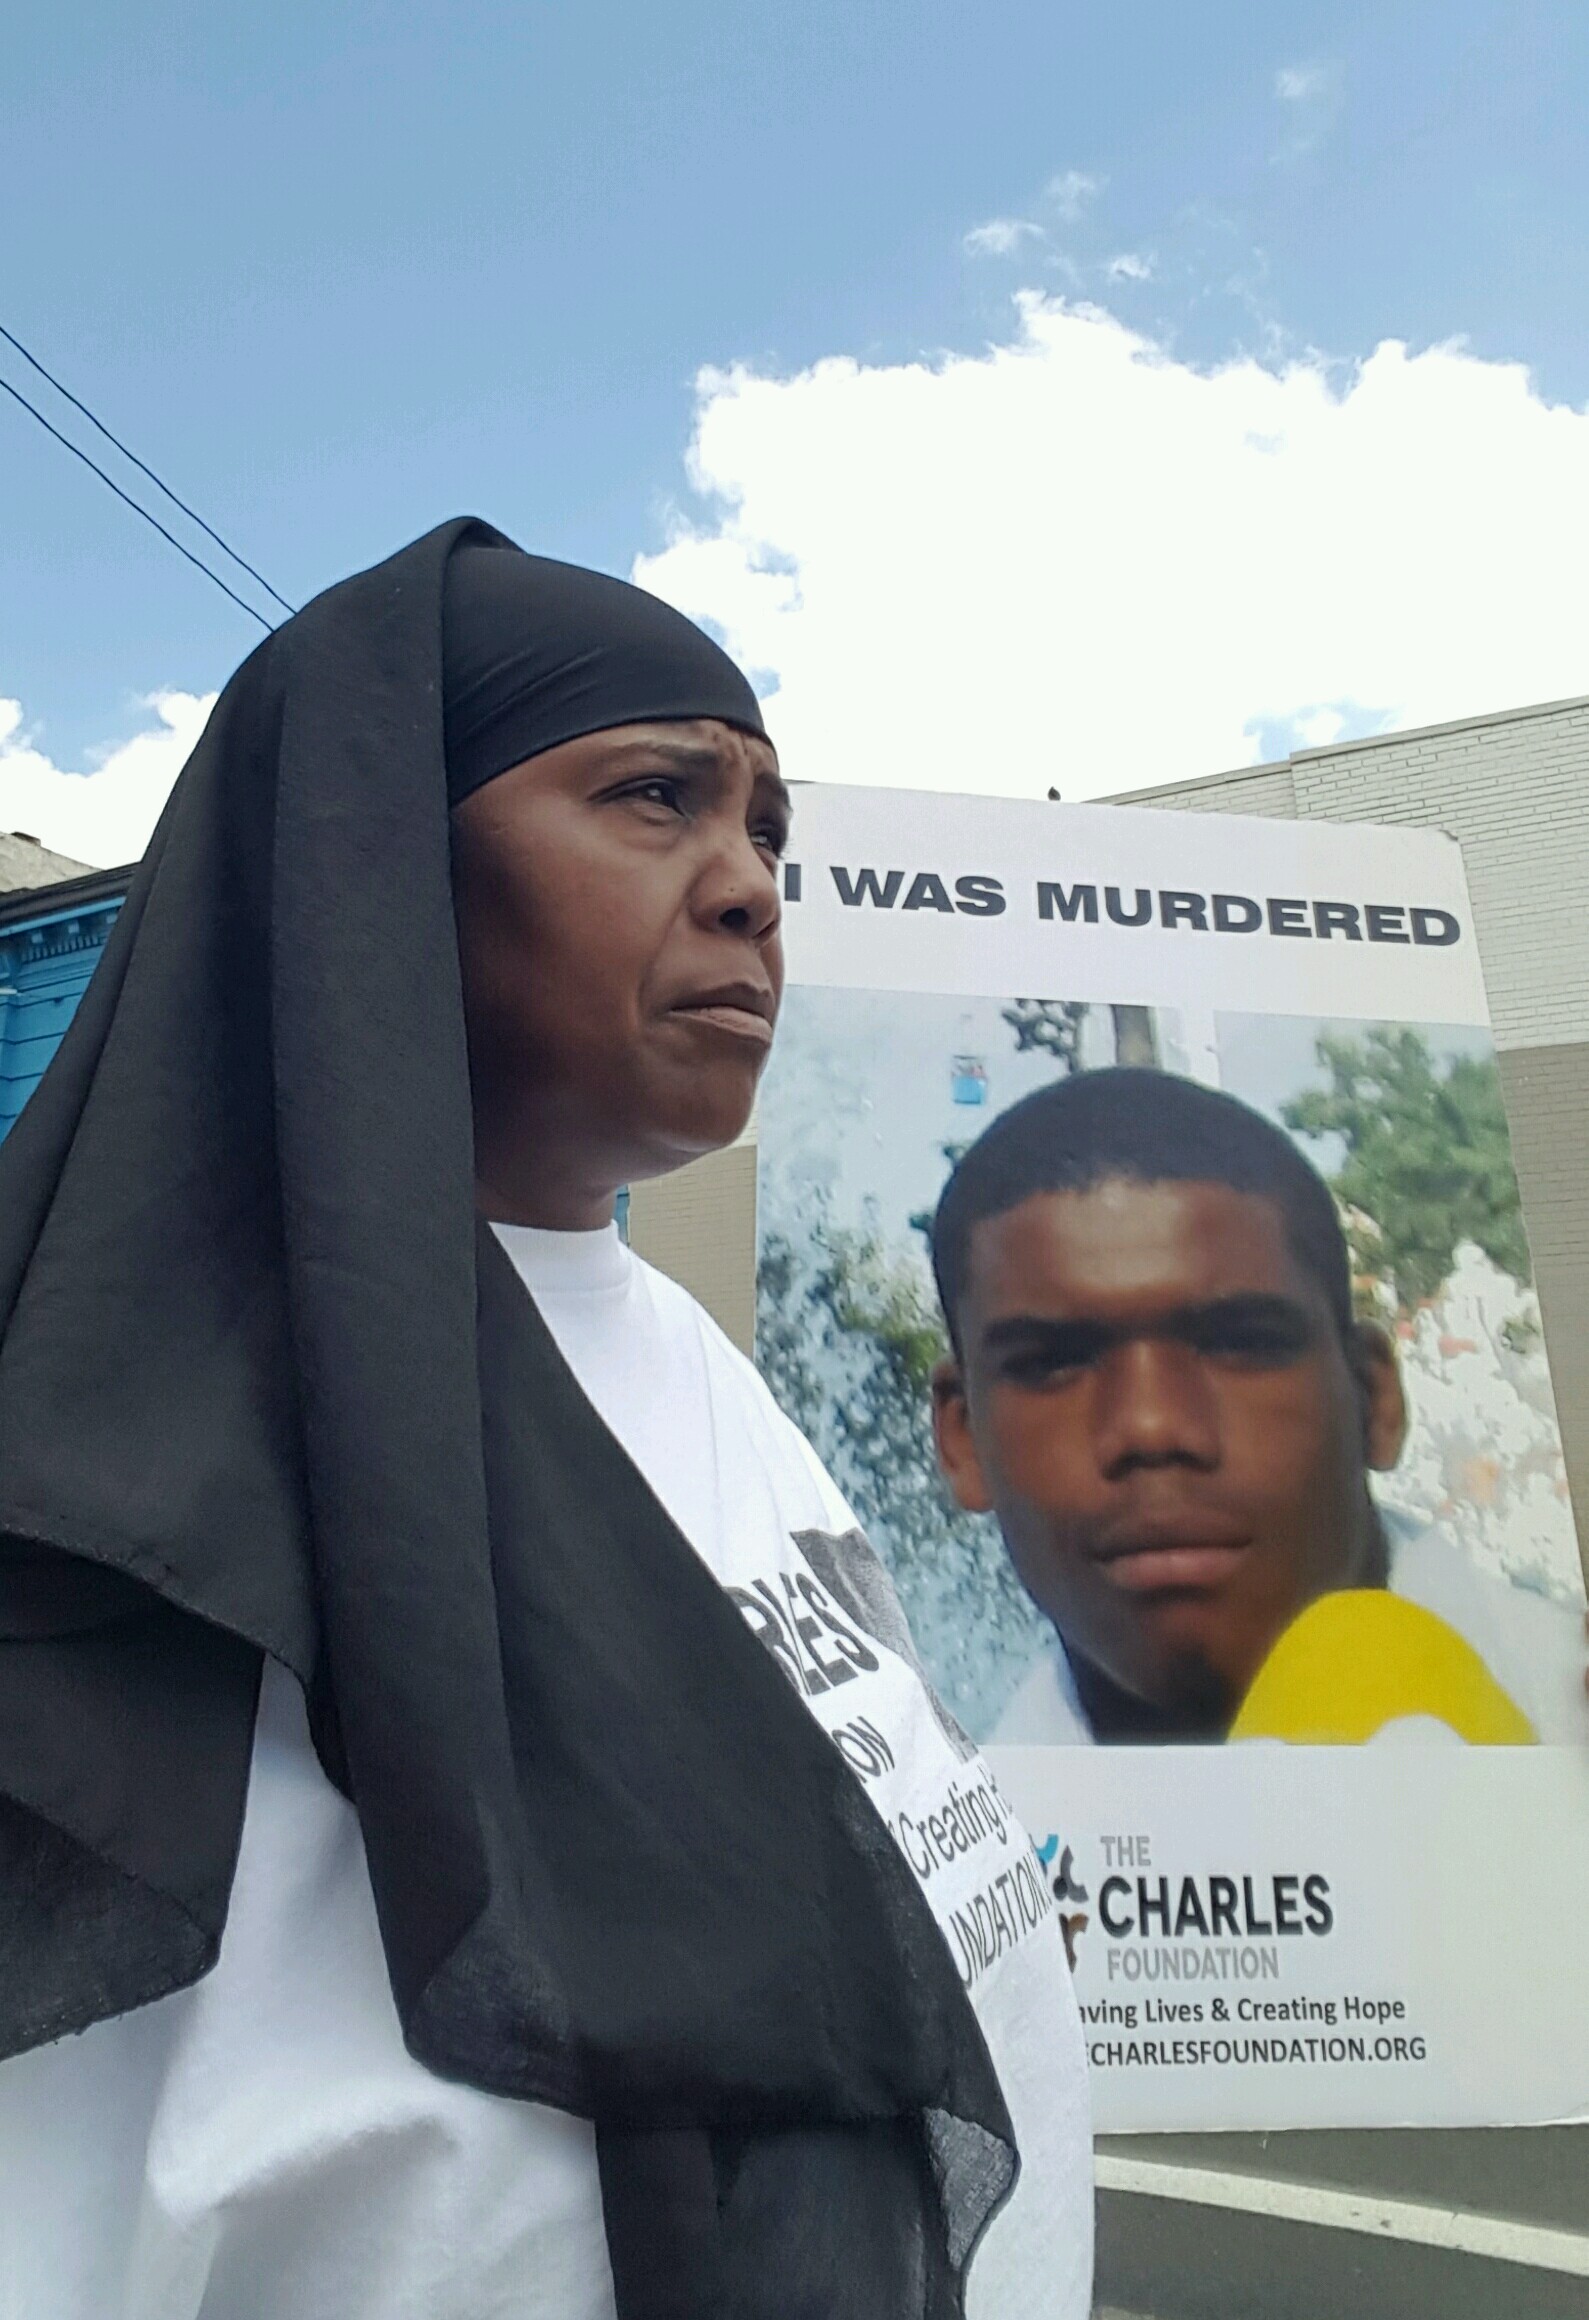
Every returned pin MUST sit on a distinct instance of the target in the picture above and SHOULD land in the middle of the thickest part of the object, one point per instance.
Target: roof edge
(1402, 734)
(65, 895)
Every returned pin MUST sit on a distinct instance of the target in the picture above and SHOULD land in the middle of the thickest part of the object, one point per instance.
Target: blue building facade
(50, 941)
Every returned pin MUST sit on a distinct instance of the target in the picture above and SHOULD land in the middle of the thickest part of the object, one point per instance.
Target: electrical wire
(137, 506)
(144, 468)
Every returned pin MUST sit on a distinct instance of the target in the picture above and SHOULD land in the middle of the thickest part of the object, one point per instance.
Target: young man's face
(1154, 1398)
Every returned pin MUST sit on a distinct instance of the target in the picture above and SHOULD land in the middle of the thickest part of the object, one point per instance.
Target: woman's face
(618, 928)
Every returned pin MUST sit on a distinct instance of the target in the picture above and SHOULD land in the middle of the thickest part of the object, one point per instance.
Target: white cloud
(1311, 95)
(1074, 560)
(103, 817)
(1317, 728)
(1072, 190)
(1000, 236)
(1130, 266)
(1302, 84)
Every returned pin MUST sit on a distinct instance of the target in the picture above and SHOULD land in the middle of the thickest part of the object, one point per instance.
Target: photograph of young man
(1160, 1387)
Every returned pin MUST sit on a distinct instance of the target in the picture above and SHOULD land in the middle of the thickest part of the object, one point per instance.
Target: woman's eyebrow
(687, 756)
(778, 789)
(696, 757)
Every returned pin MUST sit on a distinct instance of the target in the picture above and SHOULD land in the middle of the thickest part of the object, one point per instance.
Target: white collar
(566, 1264)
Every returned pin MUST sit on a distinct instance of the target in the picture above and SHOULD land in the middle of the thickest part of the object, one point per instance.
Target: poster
(1240, 1539)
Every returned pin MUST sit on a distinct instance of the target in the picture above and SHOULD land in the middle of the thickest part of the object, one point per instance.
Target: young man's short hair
(1151, 1127)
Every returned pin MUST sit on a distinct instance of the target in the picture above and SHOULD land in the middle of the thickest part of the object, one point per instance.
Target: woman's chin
(694, 1133)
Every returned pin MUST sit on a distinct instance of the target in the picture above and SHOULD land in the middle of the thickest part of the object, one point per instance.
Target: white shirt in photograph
(1533, 1647)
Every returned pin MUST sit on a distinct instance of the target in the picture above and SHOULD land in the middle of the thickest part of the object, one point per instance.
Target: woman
(418, 1780)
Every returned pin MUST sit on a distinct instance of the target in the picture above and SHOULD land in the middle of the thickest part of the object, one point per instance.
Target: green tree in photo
(1428, 1155)
(1051, 1026)
(882, 1298)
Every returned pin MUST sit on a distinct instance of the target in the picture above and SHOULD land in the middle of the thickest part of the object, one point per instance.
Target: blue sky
(340, 271)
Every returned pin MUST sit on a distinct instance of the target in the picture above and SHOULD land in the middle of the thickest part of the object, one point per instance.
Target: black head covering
(266, 1386)
(536, 653)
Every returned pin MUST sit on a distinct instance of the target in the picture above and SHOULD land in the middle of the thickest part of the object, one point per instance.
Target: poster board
(1276, 1929)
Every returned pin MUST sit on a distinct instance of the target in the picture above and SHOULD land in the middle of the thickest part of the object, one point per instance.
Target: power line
(144, 468)
(137, 507)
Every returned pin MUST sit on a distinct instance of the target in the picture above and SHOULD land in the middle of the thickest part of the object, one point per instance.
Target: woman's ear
(957, 1450)
(1378, 1375)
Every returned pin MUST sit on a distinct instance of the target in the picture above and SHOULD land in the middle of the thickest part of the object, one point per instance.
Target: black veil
(266, 1387)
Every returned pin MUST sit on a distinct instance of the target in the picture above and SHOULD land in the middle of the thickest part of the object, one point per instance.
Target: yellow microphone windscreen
(1359, 1660)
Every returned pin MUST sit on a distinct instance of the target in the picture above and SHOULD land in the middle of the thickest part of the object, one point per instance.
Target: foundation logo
(1068, 1892)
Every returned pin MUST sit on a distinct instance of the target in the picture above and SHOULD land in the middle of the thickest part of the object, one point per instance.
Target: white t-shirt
(262, 2145)
(1534, 1649)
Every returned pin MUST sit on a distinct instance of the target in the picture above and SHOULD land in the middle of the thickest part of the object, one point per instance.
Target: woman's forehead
(704, 746)
(706, 750)
(698, 737)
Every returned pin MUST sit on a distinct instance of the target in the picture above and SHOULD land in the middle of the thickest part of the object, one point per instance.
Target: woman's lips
(739, 1022)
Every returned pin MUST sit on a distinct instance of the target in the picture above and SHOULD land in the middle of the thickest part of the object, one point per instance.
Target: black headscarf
(536, 653)
(267, 1386)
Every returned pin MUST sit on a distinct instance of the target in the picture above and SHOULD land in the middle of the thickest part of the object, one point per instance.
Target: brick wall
(1513, 790)
(1268, 790)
